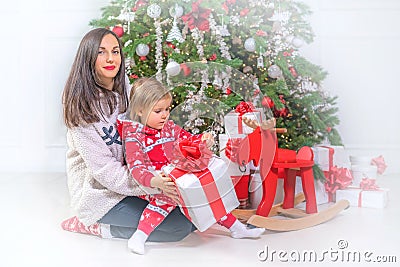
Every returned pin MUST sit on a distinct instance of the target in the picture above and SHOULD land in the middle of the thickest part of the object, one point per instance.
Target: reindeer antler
(265, 125)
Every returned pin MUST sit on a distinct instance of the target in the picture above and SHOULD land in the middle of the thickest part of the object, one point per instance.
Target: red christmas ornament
(133, 76)
(171, 45)
(328, 129)
(293, 72)
(261, 33)
(283, 112)
(143, 58)
(267, 102)
(244, 12)
(228, 91)
(186, 69)
(283, 101)
(138, 5)
(118, 30)
(213, 57)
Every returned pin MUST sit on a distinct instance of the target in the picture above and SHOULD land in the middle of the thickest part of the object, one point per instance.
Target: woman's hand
(166, 185)
(208, 137)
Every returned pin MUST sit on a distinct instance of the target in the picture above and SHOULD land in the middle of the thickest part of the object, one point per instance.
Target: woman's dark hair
(82, 101)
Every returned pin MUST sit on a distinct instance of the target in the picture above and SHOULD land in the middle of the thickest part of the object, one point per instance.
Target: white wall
(357, 42)
(38, 44)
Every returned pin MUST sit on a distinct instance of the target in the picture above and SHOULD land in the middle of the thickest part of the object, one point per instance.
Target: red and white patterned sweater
(148, 149)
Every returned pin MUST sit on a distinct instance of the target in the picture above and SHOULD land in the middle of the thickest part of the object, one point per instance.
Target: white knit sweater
(97, 176)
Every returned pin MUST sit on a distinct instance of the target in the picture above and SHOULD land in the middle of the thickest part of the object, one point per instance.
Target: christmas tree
(230, 51)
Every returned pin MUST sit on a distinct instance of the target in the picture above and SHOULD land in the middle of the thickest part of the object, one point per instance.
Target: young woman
(148, 137)
(102, 192)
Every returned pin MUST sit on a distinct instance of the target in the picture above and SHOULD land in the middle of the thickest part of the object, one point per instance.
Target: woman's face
(108, 60)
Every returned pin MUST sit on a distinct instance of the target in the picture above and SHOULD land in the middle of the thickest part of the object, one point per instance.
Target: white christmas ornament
(154, 11)
(175, 34)
(250, 44)
(274, 71)
(142, 50)
(297, 42)
(173, 68)
(176, 11)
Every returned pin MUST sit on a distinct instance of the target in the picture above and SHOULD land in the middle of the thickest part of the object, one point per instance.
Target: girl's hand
(208, 138)
(166, 185)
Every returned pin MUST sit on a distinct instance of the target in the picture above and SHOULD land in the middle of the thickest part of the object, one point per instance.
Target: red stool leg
(269, 190)
(307, 180)
(289, 185)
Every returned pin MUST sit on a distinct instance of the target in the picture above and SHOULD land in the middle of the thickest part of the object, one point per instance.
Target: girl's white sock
(105, 230)
(137, 241)
(239, 230)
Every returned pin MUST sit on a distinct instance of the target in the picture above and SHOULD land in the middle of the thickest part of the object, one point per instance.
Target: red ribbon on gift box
(380, 163)
(210, 190)
(338, 178)
(366, 184)
(191, 154)
(242, 108)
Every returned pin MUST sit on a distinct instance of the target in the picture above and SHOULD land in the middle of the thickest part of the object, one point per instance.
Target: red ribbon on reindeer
(242, 108)
(366, 184)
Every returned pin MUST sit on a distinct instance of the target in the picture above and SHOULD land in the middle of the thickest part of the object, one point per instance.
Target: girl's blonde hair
(145, 94)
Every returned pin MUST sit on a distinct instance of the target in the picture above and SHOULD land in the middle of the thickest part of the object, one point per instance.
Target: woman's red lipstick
(109, 67)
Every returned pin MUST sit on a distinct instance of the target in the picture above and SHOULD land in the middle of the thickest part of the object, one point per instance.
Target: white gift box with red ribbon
(207, 195)
(364, 198)
(233, 121)
(327, 156)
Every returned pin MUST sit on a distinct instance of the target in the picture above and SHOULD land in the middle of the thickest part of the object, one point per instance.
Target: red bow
(339, 178)
(191, 154)
(368, 184)
(380, 163)
(198, 18)
(244, 107)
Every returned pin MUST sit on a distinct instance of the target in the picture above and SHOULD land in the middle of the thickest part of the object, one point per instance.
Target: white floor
(33, 205)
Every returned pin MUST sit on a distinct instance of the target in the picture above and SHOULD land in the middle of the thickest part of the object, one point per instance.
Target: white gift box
(321, 196)
(369, 198)
(322, 157)
(205, 204)
(234, 125)
(363, 171)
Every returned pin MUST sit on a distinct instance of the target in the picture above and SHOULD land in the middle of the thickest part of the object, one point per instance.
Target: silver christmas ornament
(274, 71)
(297, 42)
(154, 11)
(173, 68)
(176, 11)
(142, 50)
(250, 44)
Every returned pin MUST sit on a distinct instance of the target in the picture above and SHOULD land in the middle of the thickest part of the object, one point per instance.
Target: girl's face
(108, 60)
(159, 114)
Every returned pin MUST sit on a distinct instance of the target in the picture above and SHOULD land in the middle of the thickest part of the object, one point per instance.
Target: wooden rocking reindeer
(261, 147)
